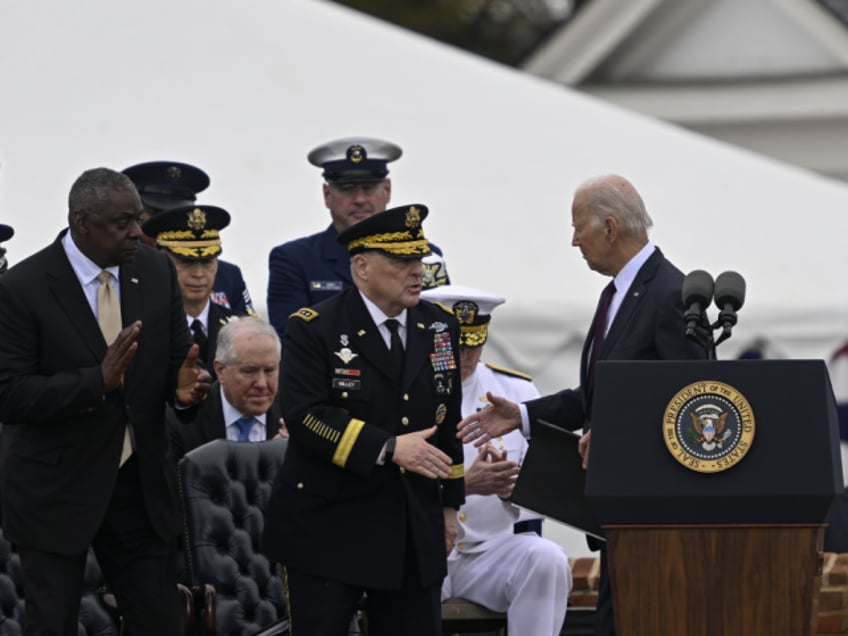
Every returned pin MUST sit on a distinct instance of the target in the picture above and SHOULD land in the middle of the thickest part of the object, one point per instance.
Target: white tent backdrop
(246, 89)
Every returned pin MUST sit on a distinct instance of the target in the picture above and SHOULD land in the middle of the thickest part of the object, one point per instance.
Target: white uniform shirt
(486, 517)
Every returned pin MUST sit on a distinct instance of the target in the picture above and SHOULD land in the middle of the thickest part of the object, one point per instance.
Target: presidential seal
(708, 426)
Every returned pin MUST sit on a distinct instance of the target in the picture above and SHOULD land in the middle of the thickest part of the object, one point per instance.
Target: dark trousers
(137, 565)
(323, 607)
(320, 607)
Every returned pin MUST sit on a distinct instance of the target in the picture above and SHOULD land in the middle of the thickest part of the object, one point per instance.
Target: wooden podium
(699, 551)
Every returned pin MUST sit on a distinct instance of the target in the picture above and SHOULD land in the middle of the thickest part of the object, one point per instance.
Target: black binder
(552, 481)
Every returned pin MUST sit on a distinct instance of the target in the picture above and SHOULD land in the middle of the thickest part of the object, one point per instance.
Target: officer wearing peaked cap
(313, 268)
(166, 184)
(191, 235)
(371, 397)
(169, 184)
(6, 232)
(522, 574)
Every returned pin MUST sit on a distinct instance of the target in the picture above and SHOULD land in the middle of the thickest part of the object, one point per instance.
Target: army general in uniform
(366, 498)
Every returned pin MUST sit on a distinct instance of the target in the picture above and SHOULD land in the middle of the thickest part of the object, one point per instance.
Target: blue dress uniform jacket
(305, 272)
(334, 512)
(229, 289)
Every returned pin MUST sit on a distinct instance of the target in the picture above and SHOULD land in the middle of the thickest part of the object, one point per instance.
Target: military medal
(442, 357)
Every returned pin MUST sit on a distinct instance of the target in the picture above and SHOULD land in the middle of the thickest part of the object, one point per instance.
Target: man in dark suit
(313, 268)
(242, 404)
(163, 185)
(191, 236)
(366, 498)
(93, 343)
(640, 317)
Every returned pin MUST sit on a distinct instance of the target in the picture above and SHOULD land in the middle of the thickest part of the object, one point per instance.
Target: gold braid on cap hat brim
(392, 243)
(473, 335)
(191, 249)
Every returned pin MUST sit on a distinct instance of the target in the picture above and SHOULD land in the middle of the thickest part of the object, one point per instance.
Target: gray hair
(612, 195)
(236, 327)
(92, 188)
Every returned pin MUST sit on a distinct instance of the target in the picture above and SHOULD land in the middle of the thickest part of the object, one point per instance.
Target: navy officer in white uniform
(524, 575)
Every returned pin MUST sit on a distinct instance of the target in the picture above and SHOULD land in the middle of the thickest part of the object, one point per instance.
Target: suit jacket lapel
(212, 423)
(65, 286)
(272, 419)
(132, 299)
(630, 302)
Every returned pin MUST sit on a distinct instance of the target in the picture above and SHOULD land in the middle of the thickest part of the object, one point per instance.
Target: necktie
(599, 330)
(245, 424)
(200, 338)
(109, 319)
(108, 308)
(396, 346)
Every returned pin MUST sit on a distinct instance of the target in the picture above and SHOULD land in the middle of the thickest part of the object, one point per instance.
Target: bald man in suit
(93, 343)
(640, 317)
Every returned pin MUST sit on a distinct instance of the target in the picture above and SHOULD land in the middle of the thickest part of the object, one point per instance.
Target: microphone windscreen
(697, 288)
(729, 290)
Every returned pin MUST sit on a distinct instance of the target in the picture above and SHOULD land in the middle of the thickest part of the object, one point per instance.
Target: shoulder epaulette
(444, 308)
(305, 313)
(512, 372)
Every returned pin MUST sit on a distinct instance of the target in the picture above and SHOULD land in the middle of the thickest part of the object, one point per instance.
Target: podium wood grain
(715, 580)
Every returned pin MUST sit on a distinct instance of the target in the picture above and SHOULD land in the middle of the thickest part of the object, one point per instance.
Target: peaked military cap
(471, 307)
(435, 270)
(354, 159)
(190, 232)
(167, 184)
(396, 232)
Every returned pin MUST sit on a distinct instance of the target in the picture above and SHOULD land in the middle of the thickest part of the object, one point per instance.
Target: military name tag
(343, 383)
(325, 285)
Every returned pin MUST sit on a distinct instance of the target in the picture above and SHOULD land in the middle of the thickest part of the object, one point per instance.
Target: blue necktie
(245, 424)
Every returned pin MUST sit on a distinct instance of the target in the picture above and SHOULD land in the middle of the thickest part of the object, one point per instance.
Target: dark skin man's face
(110, 234)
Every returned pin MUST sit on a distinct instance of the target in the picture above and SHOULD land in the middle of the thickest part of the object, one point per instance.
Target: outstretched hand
(118, 356)
(192, 382)
(501, 417)
(414, 453)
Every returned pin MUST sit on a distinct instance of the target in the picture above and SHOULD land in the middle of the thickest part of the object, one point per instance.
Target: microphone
(697, 296)
(729, 298)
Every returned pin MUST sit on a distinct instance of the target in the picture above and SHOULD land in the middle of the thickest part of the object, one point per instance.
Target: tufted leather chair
(225, 487)
(96, 618)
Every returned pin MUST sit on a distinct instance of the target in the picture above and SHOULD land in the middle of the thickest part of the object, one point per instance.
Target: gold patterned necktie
(108, 308)
(109, 319)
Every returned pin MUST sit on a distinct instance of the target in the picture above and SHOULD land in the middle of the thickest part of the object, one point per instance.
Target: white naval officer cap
(472, 308)
(354, 159)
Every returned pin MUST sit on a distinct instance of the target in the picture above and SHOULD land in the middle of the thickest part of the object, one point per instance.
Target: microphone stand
(703, 337)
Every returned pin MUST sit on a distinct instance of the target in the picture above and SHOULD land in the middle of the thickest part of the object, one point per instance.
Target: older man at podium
(639, 317)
